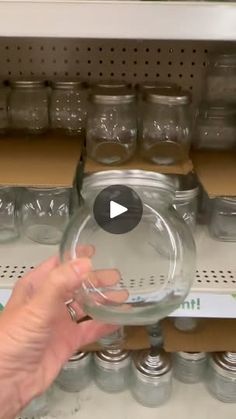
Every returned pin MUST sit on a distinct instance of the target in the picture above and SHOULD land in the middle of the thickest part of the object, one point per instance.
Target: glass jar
(4, 95)
(222, 224)
(158, 272)
(221, 376)
(112, 370)
(186, 198)
(68, 105)
(44, 213)
(151, 377)
(215, 127)
(114, 84)
(166, 132)
(186, 324)
(190, 367)
(221, 78)
(111, 126)
(76, 374)
(9, 223)
(28, 106)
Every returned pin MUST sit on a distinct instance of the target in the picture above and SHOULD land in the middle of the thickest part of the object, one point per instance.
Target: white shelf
(213, 292)
(186, 401)
(113, 19)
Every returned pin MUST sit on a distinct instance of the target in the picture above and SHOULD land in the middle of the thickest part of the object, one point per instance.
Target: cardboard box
(216, 171)
(43, 161)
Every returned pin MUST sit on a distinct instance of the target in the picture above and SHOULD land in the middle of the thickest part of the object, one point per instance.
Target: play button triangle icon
(116, 209)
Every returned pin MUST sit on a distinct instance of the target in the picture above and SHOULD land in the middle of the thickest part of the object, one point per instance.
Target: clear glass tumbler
(45, 213)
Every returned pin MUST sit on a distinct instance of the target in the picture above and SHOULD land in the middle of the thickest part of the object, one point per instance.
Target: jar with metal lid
(190, 367)
(68, 107)
(215, 127)
(158, 272)
(112, 370)
(222, 223)
(221, 78)
(28, 106)
(186, 198)
(221, 376)
(76, 374)
(166, 126)
(112, 84)
(4, 97)
(9, 217)
(44, 213)
(111, 131)
(151, 377)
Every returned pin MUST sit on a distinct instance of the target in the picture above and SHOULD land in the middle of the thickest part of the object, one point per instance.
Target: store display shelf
(214, 285)
(184, 403)
(119, 19)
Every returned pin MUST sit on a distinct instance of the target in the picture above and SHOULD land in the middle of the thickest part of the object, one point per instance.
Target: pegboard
(182, 62)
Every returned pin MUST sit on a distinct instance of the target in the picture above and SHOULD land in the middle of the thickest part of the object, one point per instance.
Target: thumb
(62, 282)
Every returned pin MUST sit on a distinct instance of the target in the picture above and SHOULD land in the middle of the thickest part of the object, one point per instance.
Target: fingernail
(82, 266)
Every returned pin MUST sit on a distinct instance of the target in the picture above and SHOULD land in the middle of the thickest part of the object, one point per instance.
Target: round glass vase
(158, 272)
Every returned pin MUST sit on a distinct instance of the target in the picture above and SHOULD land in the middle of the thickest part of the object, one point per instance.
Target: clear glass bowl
(141, 276)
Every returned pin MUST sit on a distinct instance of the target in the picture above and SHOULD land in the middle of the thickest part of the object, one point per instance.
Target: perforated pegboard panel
(183, 62)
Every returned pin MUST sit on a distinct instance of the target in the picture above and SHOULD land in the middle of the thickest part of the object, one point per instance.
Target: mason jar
(112, 370)
(221, 376)
(28, 106)
(151, 377)
(166, 126)
(222, 223)
(158, 272)
(44, 213)
(68, 107)
(76, 374)
(111, 131)
(9, 219)
(190, 367)
(4, 96)
(186, 198)
(221, 78)
(215, 127)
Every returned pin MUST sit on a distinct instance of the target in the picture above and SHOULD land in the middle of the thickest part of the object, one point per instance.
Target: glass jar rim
(130, 178)
(143, 87)
(111, 84)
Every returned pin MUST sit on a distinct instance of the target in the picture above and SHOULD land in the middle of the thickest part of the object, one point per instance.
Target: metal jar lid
(114, 84)
(112, 358)
(77, 360)
(224, 363)
(192, 356)
(26, 84)
(186, 186)
(152, 363)
(67, 85)
(145, 87)
(112, 96)
(168, 97)
(129, 178)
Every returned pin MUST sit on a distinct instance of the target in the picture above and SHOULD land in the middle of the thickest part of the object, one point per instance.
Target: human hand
(37, 335)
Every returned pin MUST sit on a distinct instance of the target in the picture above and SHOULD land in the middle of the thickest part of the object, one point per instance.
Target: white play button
(116, 209)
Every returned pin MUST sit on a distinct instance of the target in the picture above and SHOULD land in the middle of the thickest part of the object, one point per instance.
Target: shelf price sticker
(207, 305)
(4, 297)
